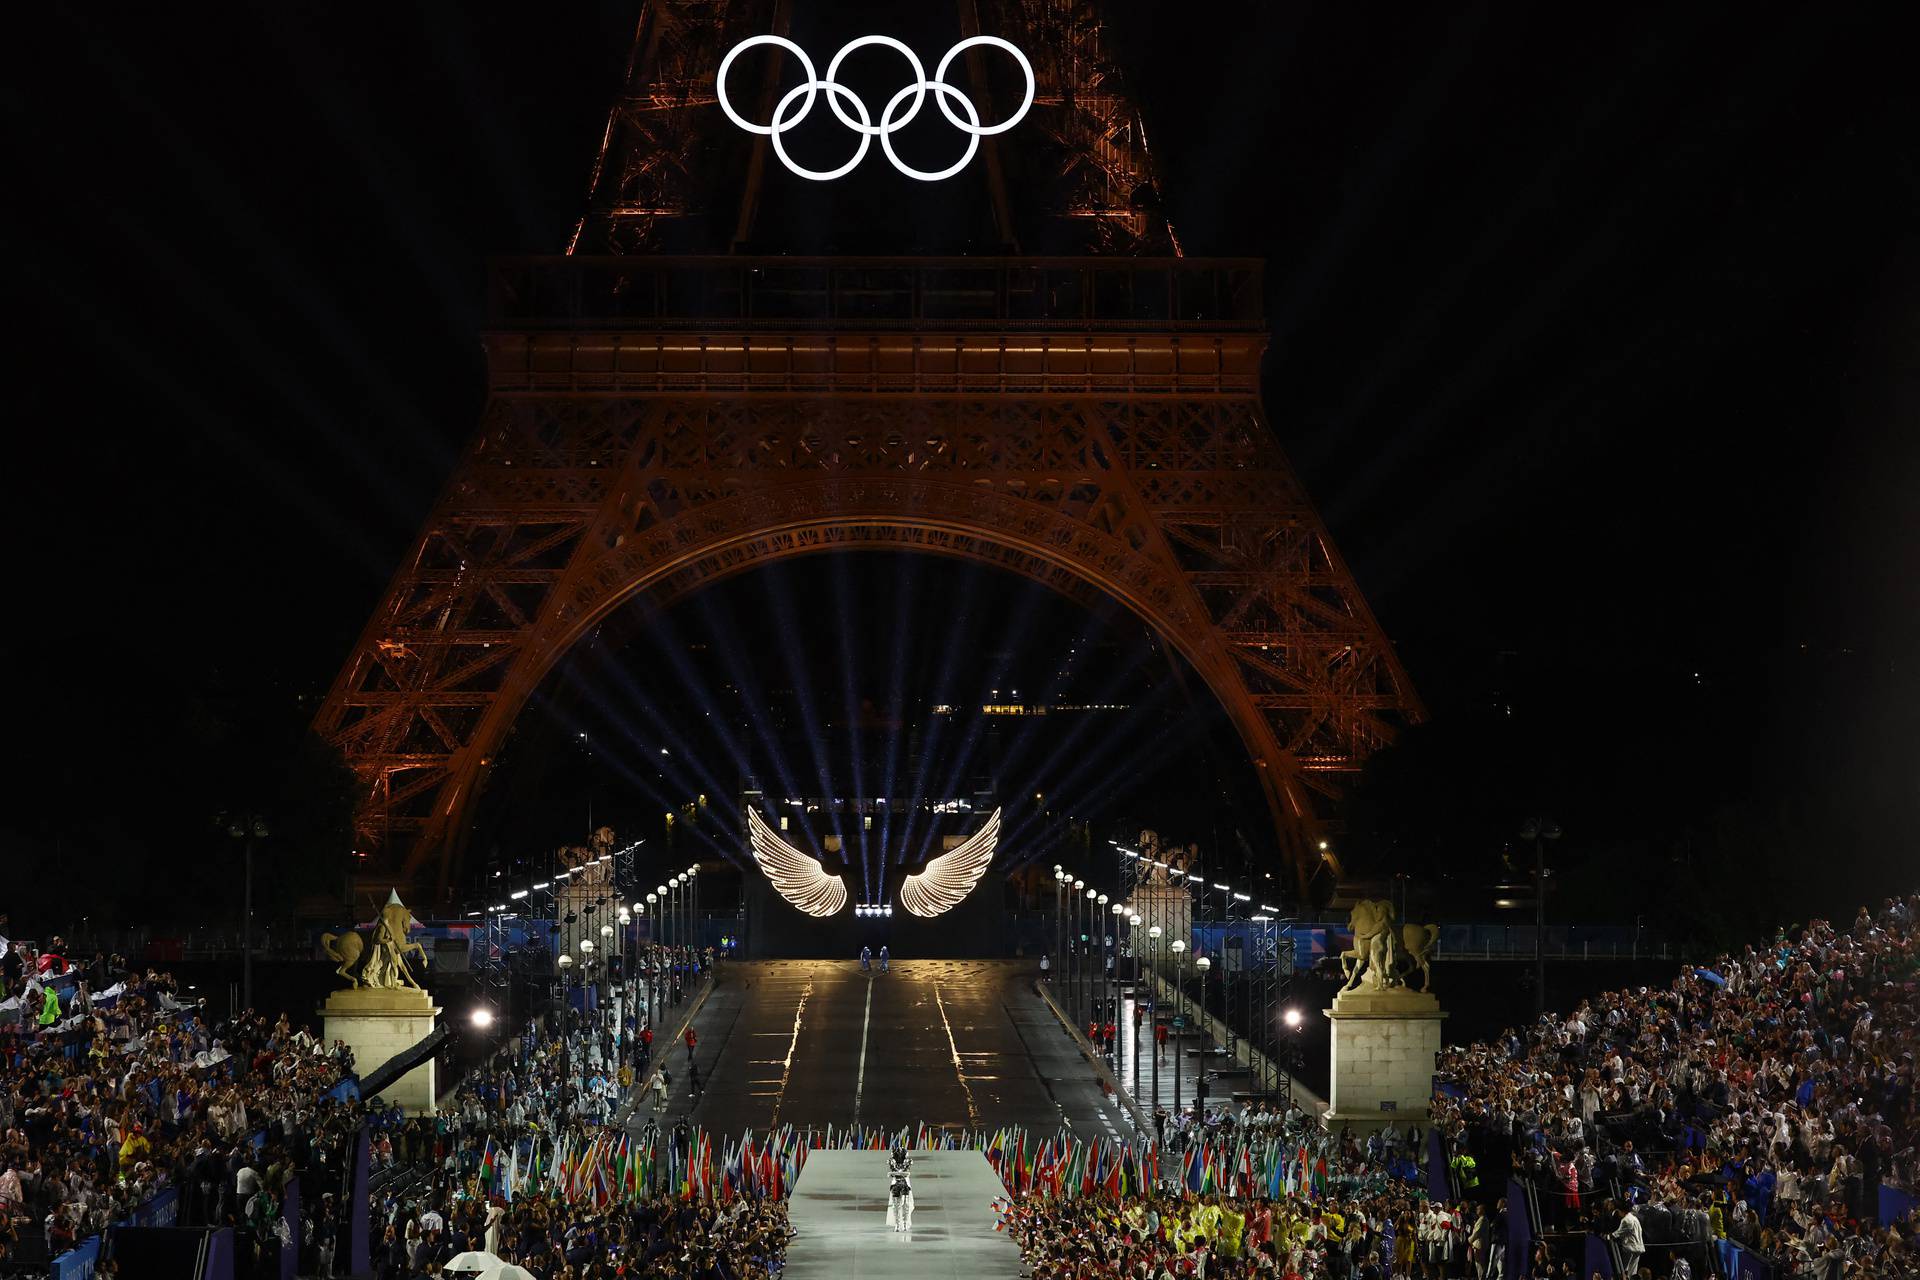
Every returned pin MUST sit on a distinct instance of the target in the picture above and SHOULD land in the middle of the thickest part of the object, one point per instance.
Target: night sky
(1596, 335)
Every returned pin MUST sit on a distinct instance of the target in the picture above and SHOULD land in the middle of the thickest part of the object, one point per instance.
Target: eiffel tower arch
(656, 422)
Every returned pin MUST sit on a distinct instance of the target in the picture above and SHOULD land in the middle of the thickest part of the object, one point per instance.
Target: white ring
(720, 81)
(810, 88)
(918, 88)
(1026, 68)
(940, 89)
(778, 128)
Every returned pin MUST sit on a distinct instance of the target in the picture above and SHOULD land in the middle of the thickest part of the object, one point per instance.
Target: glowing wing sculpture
(951, 876)
(796, 877)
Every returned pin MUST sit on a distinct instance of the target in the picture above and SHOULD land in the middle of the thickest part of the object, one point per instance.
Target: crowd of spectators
(532, 1099)
(1764, 1099)
(114, 1088)
(1365, 1229)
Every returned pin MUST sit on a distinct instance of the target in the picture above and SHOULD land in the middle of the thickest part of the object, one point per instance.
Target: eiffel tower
(677, 399)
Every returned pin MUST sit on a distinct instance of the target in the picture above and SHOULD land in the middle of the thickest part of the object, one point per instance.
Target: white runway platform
(839, 1212)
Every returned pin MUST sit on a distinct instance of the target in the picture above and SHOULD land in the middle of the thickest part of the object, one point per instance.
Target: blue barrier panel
(1895, 1204)
(1437, 1185)
(161, 1211)
(358, 1246)
(1740, 1264)
(1519, 1230)
(290, 1212)
(1599, 1256)
(78, 1262)
(219, 1256)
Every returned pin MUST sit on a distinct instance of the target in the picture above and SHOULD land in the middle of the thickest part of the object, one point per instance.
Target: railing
(1161, 294)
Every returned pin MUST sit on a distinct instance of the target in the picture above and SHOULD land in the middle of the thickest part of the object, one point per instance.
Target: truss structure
(657, 423)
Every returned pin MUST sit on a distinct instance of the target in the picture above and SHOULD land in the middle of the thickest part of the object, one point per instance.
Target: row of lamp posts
(670, 913)
(1088, 988)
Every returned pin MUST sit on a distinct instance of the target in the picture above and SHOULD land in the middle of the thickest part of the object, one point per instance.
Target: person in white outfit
(1632, 1243)
(900, 1191)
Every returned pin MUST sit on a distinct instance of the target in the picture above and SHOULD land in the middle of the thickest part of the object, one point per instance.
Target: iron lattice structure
(656, 423)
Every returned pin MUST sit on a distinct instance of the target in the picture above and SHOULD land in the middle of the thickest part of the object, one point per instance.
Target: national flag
(487, 1167)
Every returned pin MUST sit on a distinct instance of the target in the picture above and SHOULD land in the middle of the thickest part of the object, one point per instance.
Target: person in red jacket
(1159, 1039)
(692, 1040)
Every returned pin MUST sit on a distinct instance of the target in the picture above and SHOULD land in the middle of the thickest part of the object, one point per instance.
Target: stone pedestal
(1384, 1044)
(376, 1025)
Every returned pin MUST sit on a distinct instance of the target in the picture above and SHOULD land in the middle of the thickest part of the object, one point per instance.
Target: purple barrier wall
(359, 1261)
(1519, 1231)
(290, 1212)
(219, 1256)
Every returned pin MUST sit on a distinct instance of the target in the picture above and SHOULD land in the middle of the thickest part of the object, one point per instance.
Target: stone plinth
(1384, 1044)
(376, 1025)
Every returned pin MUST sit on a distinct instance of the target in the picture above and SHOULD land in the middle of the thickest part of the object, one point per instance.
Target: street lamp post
(1110, 967)
(1201, 964)
(1086, 938)
(609, 946)
(1133, 945)
(660, 958)
(1073, 948)
(693, 917)
(246, 827)
(653, 956)
(1059, 886)
(1540, 831)
(1180, 1012)
(1099, 1017)
(1153, 1021)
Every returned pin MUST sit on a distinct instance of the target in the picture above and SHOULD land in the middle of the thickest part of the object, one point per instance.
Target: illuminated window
(867, 822)
(783, 822)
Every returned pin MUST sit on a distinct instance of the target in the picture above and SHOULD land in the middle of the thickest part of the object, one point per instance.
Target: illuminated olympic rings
(787, 114)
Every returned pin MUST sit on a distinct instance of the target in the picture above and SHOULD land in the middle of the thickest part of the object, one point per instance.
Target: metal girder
(656, 423)
(698, 483)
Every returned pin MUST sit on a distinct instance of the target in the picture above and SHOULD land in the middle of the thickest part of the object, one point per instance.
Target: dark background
(1594, 335)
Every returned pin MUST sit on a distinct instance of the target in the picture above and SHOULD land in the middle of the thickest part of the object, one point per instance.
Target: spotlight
(565, 961)
(888, 909)
(482, 1018)
(1291, 1017)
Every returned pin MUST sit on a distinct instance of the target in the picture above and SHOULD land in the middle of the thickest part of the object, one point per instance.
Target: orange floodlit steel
(655, 424)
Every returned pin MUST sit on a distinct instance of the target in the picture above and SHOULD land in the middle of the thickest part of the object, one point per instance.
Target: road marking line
(860, 1079)
(973, 1112)
(786, 1072)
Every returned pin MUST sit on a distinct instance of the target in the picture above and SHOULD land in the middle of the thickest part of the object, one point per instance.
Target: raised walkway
(839, 1216)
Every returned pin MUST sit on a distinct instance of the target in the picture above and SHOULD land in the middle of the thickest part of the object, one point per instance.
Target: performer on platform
(866, 959)
(883, 957)
(900, 1189)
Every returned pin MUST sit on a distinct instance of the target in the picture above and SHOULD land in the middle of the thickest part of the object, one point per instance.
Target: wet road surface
(957, 1043)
